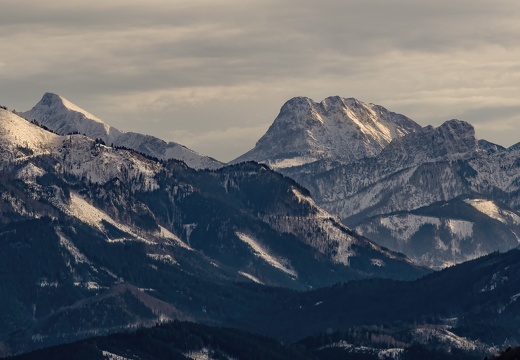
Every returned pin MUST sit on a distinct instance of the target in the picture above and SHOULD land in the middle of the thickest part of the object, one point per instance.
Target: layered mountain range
(96, 239)
(438, 195)
(464, 312)
(88, 228)
(382, 173)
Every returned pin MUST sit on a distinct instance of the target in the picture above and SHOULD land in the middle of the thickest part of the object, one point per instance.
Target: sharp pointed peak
(49, 99)
(52, 100)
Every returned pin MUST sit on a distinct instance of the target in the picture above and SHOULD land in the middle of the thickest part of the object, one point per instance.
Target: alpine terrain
(63, 117)
(336, 130)
(107, 252)
(87, 229)
(439, 195)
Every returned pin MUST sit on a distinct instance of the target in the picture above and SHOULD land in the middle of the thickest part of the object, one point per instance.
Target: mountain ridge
(79, 217)
(88, 230)
(63, 117)
(416, 169)
(305, 131)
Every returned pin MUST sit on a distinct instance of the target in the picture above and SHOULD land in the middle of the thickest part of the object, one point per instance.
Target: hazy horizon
(213, 76)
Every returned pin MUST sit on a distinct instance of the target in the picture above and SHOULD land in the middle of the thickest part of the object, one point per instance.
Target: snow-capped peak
(63, 117)
(54, 99)
(339, 129)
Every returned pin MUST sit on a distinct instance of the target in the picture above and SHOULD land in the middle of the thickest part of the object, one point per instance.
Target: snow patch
(82, 210)
(496, 281)
(188, 229)
(515, 297)
(427, 334)
(390, 354)
(290, 162)
(45, 283)
(92, 285)
(168, 259)
(262, 253)
(491, 209)
(251, 277)
(202, 354)
(461, 229)
(110, 356)
(30, 173)
(377, 262)
(404, 227)
(340, 344)
(165, 233)
(79, 257)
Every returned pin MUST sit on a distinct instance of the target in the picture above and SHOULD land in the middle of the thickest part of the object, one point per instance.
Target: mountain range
(80, 218)
(392, 180)
(382, 173)
(98, 237)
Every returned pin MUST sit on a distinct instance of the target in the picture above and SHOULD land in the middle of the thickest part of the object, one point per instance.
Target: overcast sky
(212, 75)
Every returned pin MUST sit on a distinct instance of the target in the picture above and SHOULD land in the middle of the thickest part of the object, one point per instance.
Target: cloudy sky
(212, 75)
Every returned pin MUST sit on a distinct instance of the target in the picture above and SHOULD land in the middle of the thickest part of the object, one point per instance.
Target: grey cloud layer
(206, 71)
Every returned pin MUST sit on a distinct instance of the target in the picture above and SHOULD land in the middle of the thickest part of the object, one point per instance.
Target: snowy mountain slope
(78, 218)
(84, 217)
(418, 170)
(446, 233)
(276, 205)
(115, 177)
(20, 139)
(63, 117)
(415, 171)
(335, 129)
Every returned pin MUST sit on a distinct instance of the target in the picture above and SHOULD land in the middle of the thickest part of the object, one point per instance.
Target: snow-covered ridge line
(62, 116)
(20, 140)
(77, 109)
(24, 139)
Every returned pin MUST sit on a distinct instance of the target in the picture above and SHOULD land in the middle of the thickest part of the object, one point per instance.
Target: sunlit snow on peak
(76, 108)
